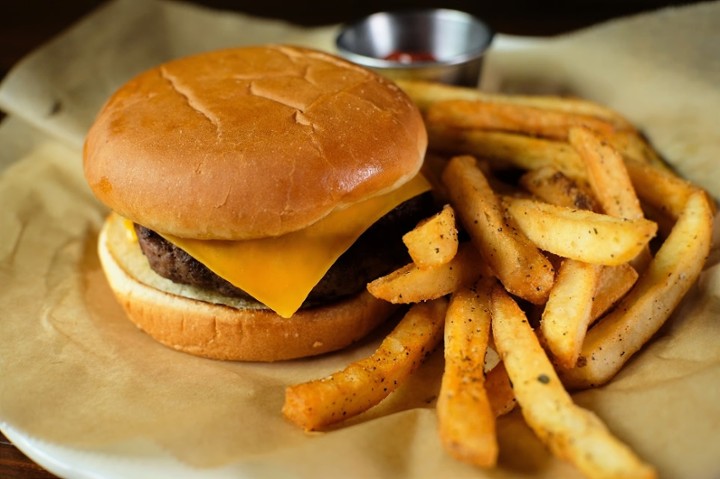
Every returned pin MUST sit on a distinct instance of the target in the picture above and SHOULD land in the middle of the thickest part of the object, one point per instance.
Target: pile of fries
(576, 244)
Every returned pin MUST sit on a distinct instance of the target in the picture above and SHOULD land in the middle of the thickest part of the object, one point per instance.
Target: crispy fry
(579, 234)
(434, 241)
(571, 432)
(568, 312)
(634, 147)
(612, 284)
(411, 284)
(607, 174)
(500, 390)
(489, 115)
(676, 266)
(363, 384)
(508, 149)
(553, 186)
(663, 193)
(517, 262)
(661, 188)
(609, 180)
(425, 94)
(465, 417)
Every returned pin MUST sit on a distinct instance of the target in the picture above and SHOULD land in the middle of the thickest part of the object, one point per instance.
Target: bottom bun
(193, 321)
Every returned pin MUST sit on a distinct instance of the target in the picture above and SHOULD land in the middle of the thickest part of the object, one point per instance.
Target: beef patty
(378, 251)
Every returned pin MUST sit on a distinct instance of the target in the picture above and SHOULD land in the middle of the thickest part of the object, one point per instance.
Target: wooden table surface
(27, 24)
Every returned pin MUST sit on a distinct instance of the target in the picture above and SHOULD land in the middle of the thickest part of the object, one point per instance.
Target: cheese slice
(281, 271)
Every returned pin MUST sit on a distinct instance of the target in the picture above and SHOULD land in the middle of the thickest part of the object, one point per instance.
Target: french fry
(489, 115)
(640, 314)
(609, 179)
(582, 291)
(570, 307)
(508, 149)
(466, 419)
(434, 241)
(613, 283)
(663, 193)
(363, 384)
(580, 234)
(500, 390)
(411, 284)
(634, 147)
(553, 186)
(660, 188)
(607, 174)
(569, 431)
(568, 311)
(425, 94)
(516, 261)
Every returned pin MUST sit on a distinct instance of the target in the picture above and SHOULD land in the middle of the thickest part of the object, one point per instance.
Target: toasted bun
(250, 142)
(202, 324)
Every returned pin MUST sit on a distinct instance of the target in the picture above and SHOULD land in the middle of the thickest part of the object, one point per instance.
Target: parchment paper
(77, 373)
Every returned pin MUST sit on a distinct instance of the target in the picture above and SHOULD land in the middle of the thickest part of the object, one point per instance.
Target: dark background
(27, 24)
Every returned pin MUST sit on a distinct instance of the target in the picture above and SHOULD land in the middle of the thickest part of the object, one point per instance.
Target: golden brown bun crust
(250, 142)
(223, 332)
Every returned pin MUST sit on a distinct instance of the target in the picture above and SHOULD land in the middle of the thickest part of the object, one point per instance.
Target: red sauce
(410, 57)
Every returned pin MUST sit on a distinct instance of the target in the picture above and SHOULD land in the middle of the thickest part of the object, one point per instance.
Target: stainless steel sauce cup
(428, 44)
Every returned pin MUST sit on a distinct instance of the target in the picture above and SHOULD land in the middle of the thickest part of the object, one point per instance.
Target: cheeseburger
(254, 193)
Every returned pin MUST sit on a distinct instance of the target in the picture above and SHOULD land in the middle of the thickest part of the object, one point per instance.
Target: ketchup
(410, 57)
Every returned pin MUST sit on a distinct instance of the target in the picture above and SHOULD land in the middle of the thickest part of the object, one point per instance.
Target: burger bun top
(250, 142)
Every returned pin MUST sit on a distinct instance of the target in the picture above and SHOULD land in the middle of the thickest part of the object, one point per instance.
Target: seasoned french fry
(411, 284)
(568, 311)
(434, 241)
(500, 390)
(570, 432)
(634, 147)
(508, 149)
(613, 283)
(516, 261)
(660, 188)
(466, 419)
(363, 384)
(582, 291)
(676, 266)
(553, 186)
(425, 94)
(489, 115)
(580, 234)
(609, 180)
(607, 174)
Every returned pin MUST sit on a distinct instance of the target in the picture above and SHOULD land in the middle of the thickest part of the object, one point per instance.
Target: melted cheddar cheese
(281, 271)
